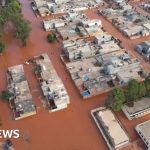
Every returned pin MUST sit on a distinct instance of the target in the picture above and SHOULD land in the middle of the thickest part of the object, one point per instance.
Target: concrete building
(87, 77)
(42, 7)
(59, 2)
(69, 19)
(123, 68)
(140, 108)
(108, 47)
(74, 25)
(97, 69)
(128, 21)
(73, 42)
(101, 73)
(106, 58)
(93, 31)
(65, 6)
(77, 49)
(126, 73)
(75, 53)
(52, 24)
(68, 32)
(143, 131)
(80, 49)
(100, 39)
(93, 22)
(21, 103)
(144, 49)
(111, 129)
(97, 63)
(145, 6)
(52, 86)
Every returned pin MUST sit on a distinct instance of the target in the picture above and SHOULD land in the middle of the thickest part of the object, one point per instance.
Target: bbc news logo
(9, 134)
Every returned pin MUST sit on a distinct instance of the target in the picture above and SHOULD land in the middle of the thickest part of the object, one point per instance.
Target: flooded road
(69, 129)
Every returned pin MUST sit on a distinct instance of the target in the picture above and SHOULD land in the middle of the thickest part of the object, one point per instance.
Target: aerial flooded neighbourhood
(75, 74)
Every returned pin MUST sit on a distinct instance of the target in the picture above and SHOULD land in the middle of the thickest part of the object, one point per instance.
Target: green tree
(14, 5)
(22, 30)
(2, 47)
(7, 95)
(51, 38)
(2, 19)
(116, 99)
(12, 12)
(142, 90)
(132, 93)
(147, 85)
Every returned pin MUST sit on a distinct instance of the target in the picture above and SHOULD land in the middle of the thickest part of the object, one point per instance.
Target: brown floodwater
(69, 129)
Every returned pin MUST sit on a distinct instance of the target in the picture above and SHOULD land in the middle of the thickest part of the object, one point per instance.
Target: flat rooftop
(18, 85)
(17, 73)
(51, 84)
(145, 128)
(132, 24)
(108, 122)
(138, 106)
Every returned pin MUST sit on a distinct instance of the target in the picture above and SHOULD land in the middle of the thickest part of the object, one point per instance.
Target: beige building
(79, 52)
(52, 24)
(21, 103)
(140, 108)
(58, 2)
(98, 69)
(42, 7)
(143, 131)
(128, 21)
(52, 86)
(110, 128)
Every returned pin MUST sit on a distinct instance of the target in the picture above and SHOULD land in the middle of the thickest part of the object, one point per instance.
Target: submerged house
(21, 103)
(52, 86)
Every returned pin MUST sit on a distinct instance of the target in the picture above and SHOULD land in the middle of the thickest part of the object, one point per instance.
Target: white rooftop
(145, 128)
(112, 127)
